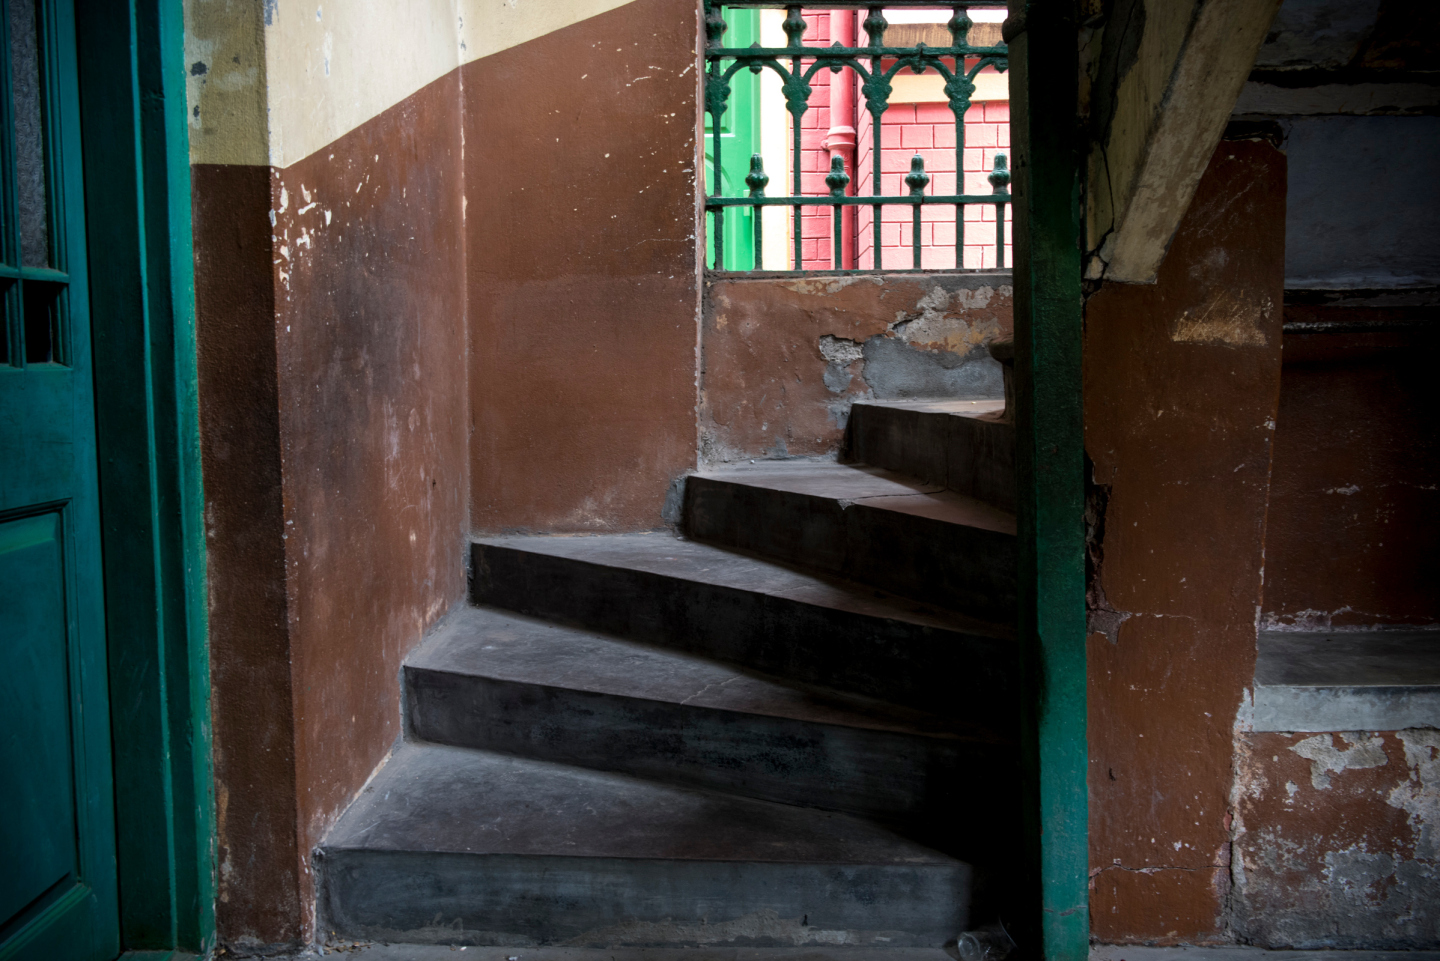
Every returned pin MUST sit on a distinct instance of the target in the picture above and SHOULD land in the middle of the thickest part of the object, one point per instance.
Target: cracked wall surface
(1181, 384)
(782, 360)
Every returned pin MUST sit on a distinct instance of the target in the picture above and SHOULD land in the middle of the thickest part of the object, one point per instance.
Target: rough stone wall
(1337, 840)
(783, 359)
(1181, 385)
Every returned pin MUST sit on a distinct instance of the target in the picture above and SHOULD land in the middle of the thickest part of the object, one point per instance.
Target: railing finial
(917, 179)
(1000, 177)
(837, 178)
(757, 178)
(875, 24)
(960, 25)
(715, 25)
(793, 25)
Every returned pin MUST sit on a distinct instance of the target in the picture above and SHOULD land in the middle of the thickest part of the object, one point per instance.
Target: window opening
(856, 137)
(33, 284)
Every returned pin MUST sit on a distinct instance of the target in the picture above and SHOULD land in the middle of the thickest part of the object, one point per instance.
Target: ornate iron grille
(876, 65)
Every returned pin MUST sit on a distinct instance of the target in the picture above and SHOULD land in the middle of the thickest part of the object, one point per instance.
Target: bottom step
(454, 846)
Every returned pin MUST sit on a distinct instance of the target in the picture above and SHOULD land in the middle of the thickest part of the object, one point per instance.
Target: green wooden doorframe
(1047, 138)
(137, 202)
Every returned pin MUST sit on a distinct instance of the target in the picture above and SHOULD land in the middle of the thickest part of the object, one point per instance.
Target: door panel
(57, 843)
(35, 761)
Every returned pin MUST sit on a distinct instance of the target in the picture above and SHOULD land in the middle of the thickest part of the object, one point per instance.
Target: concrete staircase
(794, 726)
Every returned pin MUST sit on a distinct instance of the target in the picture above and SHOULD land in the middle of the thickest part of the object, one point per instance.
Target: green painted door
(739, 141)
(57, 847)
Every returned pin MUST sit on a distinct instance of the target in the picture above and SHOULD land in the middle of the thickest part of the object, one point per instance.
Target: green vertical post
(137, 178)
(1043, 59)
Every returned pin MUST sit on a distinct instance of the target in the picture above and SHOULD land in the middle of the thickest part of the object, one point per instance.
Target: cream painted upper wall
(333, 65)
(279, 80)
(489, 26)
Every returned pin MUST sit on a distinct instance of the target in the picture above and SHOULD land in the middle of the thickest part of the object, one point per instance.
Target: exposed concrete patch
(1420, 795)
(896, 371)
(1326, 759)
(784, 358)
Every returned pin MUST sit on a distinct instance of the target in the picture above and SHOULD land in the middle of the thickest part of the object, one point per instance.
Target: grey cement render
(1347, 681)
(1363, 206)
(455, 846)
(894, 370)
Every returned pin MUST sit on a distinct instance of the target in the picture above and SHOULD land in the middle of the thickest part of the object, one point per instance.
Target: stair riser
(963, 568)
(966, 454)
(868, 772)
(948, 672)
(597, 902)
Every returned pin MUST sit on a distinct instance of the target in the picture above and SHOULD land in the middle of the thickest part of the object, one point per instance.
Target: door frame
(135, 158)
(1048, 142)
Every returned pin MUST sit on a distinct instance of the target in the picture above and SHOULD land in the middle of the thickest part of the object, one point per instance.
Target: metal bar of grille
(876, 64)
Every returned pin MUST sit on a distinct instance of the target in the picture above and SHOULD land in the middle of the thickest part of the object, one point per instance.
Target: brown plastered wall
(1354, 537)
(334, 435)
(251, 709)
(1336, 843)
(370, 312)
(579, 161)
(783, 358)
(1181, 384)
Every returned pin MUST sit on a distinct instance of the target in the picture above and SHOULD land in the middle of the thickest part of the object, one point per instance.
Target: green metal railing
(870, 65)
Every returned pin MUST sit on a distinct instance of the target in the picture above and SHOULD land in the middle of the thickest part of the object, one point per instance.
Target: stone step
(503, 682)
(864, 523)
(966, 446)
(800, 626)
(455, 846)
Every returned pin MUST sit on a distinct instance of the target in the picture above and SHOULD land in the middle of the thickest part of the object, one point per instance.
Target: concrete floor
(402, 952)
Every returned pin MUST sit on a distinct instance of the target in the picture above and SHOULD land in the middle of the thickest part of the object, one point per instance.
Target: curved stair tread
(666, 555)
(497, 644)
(864, 484)
(438, 799)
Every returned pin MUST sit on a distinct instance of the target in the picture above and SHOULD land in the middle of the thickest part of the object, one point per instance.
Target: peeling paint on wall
(783, 360)
(1326, 758)
(1335, 840)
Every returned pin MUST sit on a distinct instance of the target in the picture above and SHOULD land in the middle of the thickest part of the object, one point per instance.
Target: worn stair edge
(506, 683)
(964, 446)
(452, 846)
(866, 524)
(803, 627)
(364, 951)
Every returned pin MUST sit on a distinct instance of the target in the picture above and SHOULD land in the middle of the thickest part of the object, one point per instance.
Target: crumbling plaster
(1337, 840)
(784, 358)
